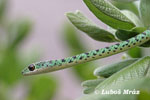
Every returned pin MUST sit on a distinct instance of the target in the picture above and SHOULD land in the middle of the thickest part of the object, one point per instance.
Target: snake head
(36, 68)
(29, 70)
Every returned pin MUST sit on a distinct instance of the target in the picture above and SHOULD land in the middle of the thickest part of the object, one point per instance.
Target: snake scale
(53, 65)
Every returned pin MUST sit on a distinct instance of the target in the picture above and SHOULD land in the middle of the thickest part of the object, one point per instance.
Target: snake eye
(31, 67)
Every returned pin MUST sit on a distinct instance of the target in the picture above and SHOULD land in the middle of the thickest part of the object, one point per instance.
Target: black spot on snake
(103, 51)
(63, 60)
(74, 57)
(70, 61)
(127, 40)
(117, 44)
(144, 33)
(94, 54)
(107, 47)
(97, 50)
(115, 47)
(81, 58)
(87, 53)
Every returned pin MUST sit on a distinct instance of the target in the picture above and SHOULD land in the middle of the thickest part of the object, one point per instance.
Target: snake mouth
(25, 72)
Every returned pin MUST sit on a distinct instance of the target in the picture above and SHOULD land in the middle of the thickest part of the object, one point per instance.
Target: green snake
(53, 65)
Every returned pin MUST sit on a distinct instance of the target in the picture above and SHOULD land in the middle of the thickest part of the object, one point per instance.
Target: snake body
(53, 65)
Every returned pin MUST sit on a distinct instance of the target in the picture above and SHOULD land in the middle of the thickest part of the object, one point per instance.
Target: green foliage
(87, 26)
(144, 95)
(42, 88)
(9, 64)
(128, 74)
(131, 6)
(141, 85)
(90, 85)
(108, 70)
(124, 1)
(134, 18)
(17, 31)
(126, 21)
(145, 12)
(3, 91)
(12, 61)
(127, 78)
(109, 14)
(135, 52)
(136, 70)
(3, 4)
(126, 34)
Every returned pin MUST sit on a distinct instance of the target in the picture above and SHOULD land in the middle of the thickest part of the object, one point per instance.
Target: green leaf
(90, 85)
(72, 39)
(109, 14)
(90, 28)
(133, 18)
(3, 92)
(3, 4)
(17, 31)
(128, 78)
(139, 88)
(108, 70)
(147, 44)
(135, 52)
(42, 88)
(126, 6)
(145, 12)
(125, 0)
(10, 67)
(135, 71)
(144, 95)
(138, 29)
(85, 71)
(76, 47)
(126, 34)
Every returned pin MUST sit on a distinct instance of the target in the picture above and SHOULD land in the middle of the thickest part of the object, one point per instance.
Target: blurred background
(35, 30)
